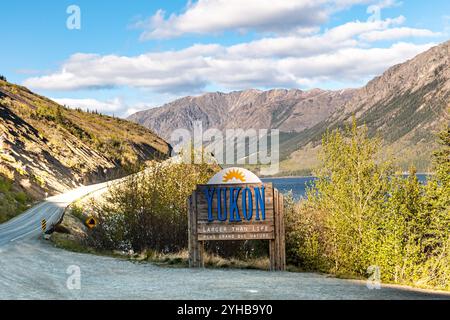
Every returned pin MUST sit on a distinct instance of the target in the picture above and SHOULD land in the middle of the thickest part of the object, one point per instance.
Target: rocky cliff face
(407, 106)
(426, 76)
(288, 110)
(47, 148)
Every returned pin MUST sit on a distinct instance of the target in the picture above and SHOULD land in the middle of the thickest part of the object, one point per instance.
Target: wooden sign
(236, 205)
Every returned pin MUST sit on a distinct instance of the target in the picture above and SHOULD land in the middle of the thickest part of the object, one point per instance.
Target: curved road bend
(31, 268)
(28, 224)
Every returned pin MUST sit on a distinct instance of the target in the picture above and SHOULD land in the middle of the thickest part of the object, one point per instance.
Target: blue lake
(298, 185)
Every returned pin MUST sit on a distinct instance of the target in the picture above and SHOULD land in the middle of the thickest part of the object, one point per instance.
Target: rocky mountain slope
(46, 148)
(406, 106)
(288, 110)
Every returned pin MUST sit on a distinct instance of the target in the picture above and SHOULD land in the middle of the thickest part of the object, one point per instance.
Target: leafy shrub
(305, 245)
(12, 202)
(46, 112)
(21, 197)
(5, 185)
(360, 214)
(149, 210)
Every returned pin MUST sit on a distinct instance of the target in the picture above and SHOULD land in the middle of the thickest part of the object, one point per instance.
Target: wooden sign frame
(204, 223)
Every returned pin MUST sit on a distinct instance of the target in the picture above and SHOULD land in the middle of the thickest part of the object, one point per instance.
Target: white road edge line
(34, 230)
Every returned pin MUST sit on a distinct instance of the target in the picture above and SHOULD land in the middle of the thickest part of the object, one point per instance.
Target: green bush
(149, 210)
(21, 197)
(360, 214)
(11, 202)
(45, 112)
(5, 185)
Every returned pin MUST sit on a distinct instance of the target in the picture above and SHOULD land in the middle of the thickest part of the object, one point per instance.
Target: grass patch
(12, 202)
(172, 260)
(181, 260)
(77, 212)
(67, 242)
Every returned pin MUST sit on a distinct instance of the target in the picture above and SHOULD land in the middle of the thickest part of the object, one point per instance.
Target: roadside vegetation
(361, 215)
(115, 138)
(145, 218)
(149, 210)
(149, 213)
(12, 201)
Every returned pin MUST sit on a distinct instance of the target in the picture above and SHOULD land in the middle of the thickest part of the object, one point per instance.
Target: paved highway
(31, 268)
(28, 225)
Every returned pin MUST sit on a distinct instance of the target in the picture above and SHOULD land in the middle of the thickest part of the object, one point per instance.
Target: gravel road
(31, 268)
(36, 270)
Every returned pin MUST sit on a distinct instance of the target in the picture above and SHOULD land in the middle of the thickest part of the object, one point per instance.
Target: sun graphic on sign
(234, 174)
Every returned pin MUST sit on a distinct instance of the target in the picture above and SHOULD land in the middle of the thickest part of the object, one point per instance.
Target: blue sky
(133, 55)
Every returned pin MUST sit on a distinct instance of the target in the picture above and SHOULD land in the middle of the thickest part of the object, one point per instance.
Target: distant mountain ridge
(287, 110)
(406, 106)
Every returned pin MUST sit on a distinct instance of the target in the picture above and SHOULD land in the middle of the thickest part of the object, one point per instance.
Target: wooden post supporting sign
(236, 205)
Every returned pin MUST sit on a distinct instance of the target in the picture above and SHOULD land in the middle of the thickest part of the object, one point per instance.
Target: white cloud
(397, 33)
(339, 55)
(117, 106)
(215, 16)
(304, 57)
(162, 72)
(352, 63)
(342, 36)
(107, 107)
(347, 65)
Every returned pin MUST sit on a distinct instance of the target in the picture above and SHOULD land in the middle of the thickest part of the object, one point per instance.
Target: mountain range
(406, 106)
(288, 110)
